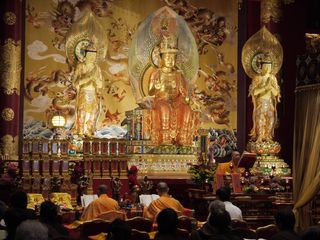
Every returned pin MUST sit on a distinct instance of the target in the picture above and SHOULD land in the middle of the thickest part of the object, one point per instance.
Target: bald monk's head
(235, 157)
(162, 188)
(102, 189)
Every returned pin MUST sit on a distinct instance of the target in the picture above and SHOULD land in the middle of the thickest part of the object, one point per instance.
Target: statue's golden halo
(260, 46)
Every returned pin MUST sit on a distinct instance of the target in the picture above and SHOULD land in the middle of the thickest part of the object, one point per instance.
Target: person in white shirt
(223, 194)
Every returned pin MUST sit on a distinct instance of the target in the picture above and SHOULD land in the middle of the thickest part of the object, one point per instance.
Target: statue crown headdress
(169, 44)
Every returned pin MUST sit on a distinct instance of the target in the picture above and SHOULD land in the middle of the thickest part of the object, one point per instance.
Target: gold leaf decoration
(271, 10)
(10, 66)
(7, 114)
(9, 18)
(9, 147)
(257, 46)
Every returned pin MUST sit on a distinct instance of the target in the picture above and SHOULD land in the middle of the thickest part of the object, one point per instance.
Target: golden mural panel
(10, 67)
(9, 18)
(7, 114)
(48, 68)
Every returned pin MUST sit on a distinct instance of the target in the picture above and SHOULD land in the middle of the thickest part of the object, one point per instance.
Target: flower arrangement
(83, 182)
(56, 184)
(202, 172)
(76, 171)
(255, 184)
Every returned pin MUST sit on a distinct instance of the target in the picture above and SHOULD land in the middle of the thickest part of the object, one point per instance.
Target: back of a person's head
(102, 189)
(48, 212)
(167, 221)
(19, 199)
(312, 233)
(120, 230)
(31, 230)
(220, 220)
(216, 205)
(223, 194)
(285, 219)
(162, 187)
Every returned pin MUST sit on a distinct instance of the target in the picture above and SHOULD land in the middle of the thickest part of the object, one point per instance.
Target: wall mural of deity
(49, 72)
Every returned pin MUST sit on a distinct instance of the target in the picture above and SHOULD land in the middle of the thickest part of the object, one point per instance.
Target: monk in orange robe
(165, 201)
(100, 205)
(232, 166)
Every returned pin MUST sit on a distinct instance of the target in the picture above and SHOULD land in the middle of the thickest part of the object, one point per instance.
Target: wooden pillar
(11, 12)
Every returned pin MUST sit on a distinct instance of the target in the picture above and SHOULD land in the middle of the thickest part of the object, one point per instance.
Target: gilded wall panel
(48, 86)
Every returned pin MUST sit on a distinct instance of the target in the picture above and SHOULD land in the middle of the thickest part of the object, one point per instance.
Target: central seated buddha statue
(173, 120)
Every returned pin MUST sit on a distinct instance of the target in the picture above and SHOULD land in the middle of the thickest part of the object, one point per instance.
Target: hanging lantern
(58, 120)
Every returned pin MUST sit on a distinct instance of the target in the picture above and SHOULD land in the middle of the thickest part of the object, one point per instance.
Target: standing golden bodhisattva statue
(174, 122)
(87, 79)
(265, 93)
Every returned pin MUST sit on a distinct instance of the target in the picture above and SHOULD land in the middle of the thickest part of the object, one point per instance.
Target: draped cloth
(161, 203)
(306, 153)
(224, 168)
(98, 206)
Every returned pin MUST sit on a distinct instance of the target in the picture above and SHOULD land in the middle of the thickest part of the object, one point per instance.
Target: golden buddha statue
(87, 79)
(265, 93)
(173, 120)
(86, 46)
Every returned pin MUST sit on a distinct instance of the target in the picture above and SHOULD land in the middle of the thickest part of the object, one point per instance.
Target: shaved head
(162, 188)
(235, 157)
(102, 189)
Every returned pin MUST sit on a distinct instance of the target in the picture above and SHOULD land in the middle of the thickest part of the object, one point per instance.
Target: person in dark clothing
(3, 208)
(167, 221)
(217, 228)
(49, 217)
(17, 213)
(312, 233)
(285, 222)
(119, 230)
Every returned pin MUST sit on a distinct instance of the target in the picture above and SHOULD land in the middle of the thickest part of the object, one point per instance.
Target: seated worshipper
(31, 230)
(285, 221)
(218, 228)
(167, 221)
(17, 213)
(223, 194)
(119, 230)
(49, 217)
(232, 166)
(216, 205)
(312, 233)
(207, 229)
(100, 205)
(165, 201)
(3, 209)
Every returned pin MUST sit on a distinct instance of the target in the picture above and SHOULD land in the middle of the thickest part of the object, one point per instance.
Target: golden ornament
(87, 31)
(7, 114)
(9, 18)
(10, 66)
(9, 147)
(255, 50)
(271, 10)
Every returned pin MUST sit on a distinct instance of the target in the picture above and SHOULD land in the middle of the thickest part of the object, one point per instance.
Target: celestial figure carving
(262, 57)
(86, 45)
(87, 79)
(265, 93)
(173, 119)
